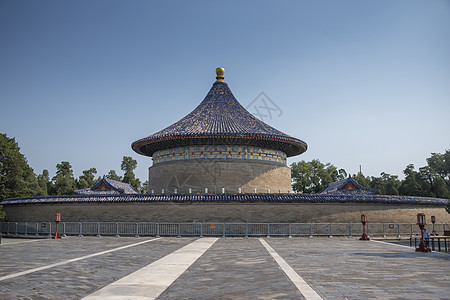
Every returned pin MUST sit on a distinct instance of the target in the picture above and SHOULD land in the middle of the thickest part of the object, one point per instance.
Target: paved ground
(231, 268)
(14, 240)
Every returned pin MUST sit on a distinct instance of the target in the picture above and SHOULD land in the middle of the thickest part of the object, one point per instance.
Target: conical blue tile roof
(219, 120)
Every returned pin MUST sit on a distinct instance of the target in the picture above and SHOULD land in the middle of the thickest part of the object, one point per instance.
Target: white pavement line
(412, 248)
(71, 260)
(15, 243)
(153, 279)
(392, 244)
(301, 285)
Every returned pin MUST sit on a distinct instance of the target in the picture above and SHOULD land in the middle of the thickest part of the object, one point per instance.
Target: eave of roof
(233, 198)
(115, 187)
(337, 187)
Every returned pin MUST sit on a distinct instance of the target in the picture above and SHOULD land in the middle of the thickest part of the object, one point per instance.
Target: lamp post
(58, 219)
(364, 236)
(433, 220)
(421, 222)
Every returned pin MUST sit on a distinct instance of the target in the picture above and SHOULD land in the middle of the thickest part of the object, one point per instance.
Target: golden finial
(219, 72)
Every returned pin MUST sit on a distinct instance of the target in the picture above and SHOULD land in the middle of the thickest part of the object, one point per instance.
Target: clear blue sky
(362, 82)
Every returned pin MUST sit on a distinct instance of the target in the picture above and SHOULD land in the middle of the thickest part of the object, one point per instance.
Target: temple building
(106, 186)
(348, 186)
(219, 148)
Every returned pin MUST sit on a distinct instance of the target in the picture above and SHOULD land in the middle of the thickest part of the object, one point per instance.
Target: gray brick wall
(218, 174)
(223, 212)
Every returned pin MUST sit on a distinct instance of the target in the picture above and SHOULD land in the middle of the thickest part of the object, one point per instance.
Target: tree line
(432, 180)
(64, 183)
(17, 178)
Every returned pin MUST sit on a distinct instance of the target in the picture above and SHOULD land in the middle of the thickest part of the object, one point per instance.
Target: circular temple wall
(215, 174)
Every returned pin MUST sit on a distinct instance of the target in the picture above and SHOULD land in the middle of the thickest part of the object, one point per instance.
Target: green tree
(391, 184)
(44, 182)
(314, 176)
(440, 164)
(2, 214)
(387, 184)
(411, 186)
(361, 179)
(434, 178)
(17, 178)
(112, 175)
(427, 181)
(87, 179)
(63, 182)
(128, 165)
(144, 188)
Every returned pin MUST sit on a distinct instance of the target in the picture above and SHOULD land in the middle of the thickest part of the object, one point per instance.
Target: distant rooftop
(107, 186)
(348, 185)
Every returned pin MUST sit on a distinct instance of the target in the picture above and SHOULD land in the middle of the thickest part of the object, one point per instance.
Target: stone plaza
(220, 268)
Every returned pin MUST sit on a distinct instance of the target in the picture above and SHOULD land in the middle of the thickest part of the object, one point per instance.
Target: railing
(118, 229)
(434, 243)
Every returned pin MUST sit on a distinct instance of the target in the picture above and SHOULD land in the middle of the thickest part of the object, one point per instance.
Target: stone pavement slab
(150, 281)
(232, 268)
(79, 279)
(353, 269)
(16, 240)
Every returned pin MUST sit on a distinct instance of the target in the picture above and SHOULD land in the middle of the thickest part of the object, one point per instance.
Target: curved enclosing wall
(223, 212)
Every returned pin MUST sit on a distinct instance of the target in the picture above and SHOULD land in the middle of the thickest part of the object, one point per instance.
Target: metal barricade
(169, 229)
(44, 228)
(190, 229)
(89, 228)
(441, 244)
(320, 229)
(340, 229)
(126, 229)
(280, 229)
(235, 229)
(21, 228)
(300, 229)
(438, 243)
(3, 227)
(257, 229)
(70, 228)
(107, 229)
(357, 229)
(213, 229)
(148, 229)
(32, 228)
(438, 228)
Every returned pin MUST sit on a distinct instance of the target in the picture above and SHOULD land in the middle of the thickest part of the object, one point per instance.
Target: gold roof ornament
(219, 72)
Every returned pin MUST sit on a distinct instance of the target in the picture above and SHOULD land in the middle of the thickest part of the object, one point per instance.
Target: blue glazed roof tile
(219, 120)
(115, 188)
(252, 198)
(338, 187)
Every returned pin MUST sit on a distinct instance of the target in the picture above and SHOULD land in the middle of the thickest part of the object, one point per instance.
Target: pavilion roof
(107, 186)
(348, 185)
(219, 120)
